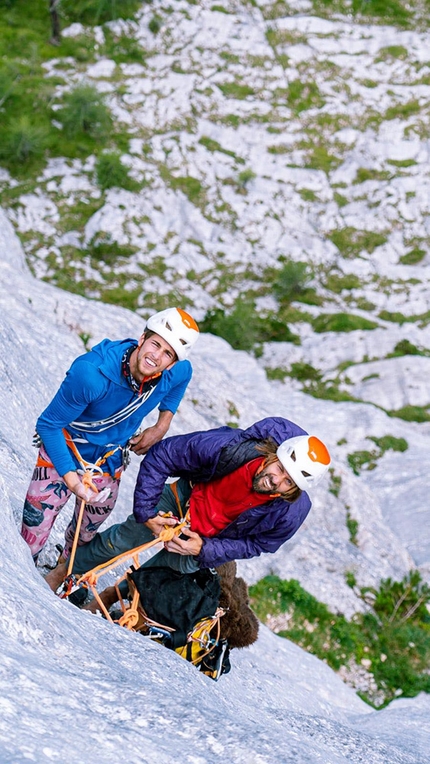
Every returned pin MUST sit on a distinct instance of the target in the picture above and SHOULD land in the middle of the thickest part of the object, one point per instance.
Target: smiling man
(93, 420)
(245, 492)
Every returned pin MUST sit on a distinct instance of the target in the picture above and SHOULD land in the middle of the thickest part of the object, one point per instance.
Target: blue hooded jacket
(94, 388)
(203, 456)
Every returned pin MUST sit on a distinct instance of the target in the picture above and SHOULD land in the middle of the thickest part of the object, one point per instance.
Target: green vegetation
(320, 158)
(412, 413)
(97, 11)
(392, 51)
(236, 90)
(108, 251)
(393, 12)
(29, 129)
(291, 281)
(243, 328)
(350, 242)
(341, 322)
(335, 482)
(391, 639)
(404, 347)
(191, 187)
(301, 96)
(364, 174)
(400, 318)
(212, 146)
(276, 373)
(312, 382)
(403, 110)
(413, 257)
(155, 24)
(336, 283)
(352, 526)
(359, 459)
(23, 140)
(245, 177)
(112, 173)
(85, 112)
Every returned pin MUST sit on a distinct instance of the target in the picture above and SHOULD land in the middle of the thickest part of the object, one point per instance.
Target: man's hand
(157, 524)
(190, 546)
(140, 444)
(89, 494)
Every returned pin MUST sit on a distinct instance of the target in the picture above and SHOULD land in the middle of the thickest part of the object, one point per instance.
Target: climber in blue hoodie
(93, 419)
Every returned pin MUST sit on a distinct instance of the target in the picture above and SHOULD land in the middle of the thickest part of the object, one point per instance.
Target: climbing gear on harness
(37, 440)
(305, 458)
(177, 327)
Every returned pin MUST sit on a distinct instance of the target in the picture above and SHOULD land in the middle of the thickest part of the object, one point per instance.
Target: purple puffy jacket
(201, 456)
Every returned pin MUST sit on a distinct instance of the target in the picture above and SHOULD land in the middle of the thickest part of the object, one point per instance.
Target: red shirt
(216, 504)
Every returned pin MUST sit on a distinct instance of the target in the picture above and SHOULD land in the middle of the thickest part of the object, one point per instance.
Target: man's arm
(143, 442)
(79, 388)
(191, 456)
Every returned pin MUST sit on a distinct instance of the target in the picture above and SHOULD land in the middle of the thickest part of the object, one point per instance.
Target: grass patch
(350, 242)
(276, 373)
(244, 328)
(111, 173)
(352, 526)
(404, 347)
(313, 383)
(85, 112)
(413, 257)
(412, 413)
(123, 49)
(402, 110)
(236, 90)
(104, 250)
(121, 296)
(213, 146)
(341, 322)
(392, 639)
(97, 11)
(320, 158)
(392, 52)
(308, 195)
(367, 459)
(337, 284)
(301, 96)
(364, 174)
(191, 187)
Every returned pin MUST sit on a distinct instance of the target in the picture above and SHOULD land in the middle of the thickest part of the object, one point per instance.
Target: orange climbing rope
(90, 579)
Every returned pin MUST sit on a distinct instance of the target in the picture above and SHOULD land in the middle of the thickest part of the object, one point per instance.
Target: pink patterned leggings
(46, 496)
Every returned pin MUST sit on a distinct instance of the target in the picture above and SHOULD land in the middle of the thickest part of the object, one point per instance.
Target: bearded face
(273, 478)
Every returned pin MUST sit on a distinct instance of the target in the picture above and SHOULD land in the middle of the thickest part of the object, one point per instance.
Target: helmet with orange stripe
(305, 458)
(177, 327)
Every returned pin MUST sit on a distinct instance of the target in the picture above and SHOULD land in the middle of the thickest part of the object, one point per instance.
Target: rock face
(257, 134)
(278, 702)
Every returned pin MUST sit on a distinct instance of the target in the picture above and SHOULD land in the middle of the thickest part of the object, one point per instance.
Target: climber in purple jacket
(244, 491)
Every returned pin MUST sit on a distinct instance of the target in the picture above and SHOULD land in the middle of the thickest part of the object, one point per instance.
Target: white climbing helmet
(305, 458)
(177, 327)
